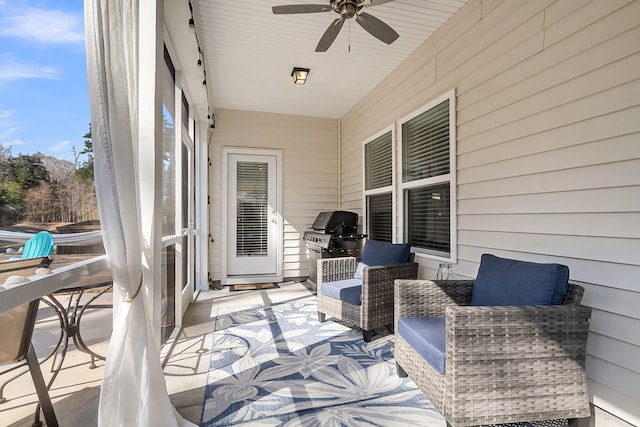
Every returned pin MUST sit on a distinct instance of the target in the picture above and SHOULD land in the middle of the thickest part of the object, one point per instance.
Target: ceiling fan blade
(369, 3)
(330, 35)
(377, 28)
(300, 8)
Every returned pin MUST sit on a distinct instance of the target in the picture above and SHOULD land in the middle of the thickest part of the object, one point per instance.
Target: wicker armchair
(502, 364)
(375, 309)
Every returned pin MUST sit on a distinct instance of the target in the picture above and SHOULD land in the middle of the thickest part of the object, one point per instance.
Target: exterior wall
(310, 174)
(548, 154)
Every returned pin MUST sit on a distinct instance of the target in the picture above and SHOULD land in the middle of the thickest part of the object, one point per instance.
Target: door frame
(186, 289)
(231, 280)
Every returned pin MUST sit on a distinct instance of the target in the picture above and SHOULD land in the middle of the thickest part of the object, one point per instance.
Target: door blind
(252, 209)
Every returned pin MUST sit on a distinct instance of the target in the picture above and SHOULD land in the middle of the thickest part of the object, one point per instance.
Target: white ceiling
(250, 53)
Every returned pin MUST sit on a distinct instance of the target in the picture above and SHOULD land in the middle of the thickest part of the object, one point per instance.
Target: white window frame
(398, 188)
(450, 177)
(380, 190)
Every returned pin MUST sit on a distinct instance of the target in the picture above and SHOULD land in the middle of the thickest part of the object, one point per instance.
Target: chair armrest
(333, 269)
(490, 338)
(428, 298)
(379, 280)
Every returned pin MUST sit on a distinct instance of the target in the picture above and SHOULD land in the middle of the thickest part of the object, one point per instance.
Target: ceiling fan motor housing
(346, 8)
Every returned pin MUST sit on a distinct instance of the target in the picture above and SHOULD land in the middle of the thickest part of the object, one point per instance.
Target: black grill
(333, 234)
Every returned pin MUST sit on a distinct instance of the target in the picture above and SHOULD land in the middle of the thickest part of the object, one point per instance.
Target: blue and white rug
(278, 366)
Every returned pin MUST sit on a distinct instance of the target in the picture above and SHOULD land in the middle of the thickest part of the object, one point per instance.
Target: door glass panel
(184, 179)
(168, 149)
(252, 206)
(168, 292)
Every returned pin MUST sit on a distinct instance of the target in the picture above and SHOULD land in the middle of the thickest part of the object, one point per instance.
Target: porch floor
(75, 391)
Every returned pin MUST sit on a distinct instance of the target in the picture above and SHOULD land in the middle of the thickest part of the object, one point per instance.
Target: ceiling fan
(347, 9)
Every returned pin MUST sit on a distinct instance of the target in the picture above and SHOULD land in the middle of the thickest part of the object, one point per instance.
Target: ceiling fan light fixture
(299, 75)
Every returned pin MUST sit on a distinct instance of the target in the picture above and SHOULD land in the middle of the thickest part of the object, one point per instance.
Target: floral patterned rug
(276, 365)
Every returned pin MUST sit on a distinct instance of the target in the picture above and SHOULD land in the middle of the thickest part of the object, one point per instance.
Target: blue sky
(44, 103)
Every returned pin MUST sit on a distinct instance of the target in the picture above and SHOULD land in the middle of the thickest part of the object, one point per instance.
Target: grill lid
(336, 222)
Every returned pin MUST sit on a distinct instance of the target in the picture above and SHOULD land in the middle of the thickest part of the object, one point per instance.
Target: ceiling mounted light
(299, 75)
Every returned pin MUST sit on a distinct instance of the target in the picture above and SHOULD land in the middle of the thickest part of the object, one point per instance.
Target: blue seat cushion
(349, 290)
(503, 281)
(382, 253)
(427, 337)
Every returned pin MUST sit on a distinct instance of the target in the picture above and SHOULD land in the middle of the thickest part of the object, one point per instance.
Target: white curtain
(133, 389)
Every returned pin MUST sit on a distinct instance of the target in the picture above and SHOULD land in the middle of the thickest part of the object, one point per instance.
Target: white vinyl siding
(309, 180)
(548, 155)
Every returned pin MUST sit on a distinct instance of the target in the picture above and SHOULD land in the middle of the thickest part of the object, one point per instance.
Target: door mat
(253, 286)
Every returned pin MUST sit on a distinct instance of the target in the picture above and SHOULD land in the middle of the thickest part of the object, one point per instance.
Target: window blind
(378, 161)
(428, 217)
(380, 217)
(252, 209)
(425, 144)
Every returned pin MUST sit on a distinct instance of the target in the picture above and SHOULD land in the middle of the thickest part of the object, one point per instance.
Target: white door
(253, 232)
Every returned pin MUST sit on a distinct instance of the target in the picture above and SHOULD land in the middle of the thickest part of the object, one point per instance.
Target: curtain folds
(133, 391)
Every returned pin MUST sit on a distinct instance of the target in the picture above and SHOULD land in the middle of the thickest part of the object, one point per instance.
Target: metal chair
(16, 330)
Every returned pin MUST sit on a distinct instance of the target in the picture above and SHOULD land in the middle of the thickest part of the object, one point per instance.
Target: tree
(43, 189)
(18, 175)
(85, 170)
(39, 204)
(27, 170)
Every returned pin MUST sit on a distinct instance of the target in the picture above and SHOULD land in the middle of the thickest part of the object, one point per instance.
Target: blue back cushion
(503, 281)
(382, 253)
(427, 336)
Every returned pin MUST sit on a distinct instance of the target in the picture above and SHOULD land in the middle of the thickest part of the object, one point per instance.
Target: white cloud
(60, 150)
(6, 113)
(6, 132)
(44, 26)
(7, 126)
(60, 147)
(11, 143)
(12, 70)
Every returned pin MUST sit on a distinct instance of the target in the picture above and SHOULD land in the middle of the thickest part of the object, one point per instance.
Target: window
(378, 161)
(428, 178)
(423, 193)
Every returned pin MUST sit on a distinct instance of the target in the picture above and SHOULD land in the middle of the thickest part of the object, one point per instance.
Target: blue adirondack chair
(38, 246)
(36, 253)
